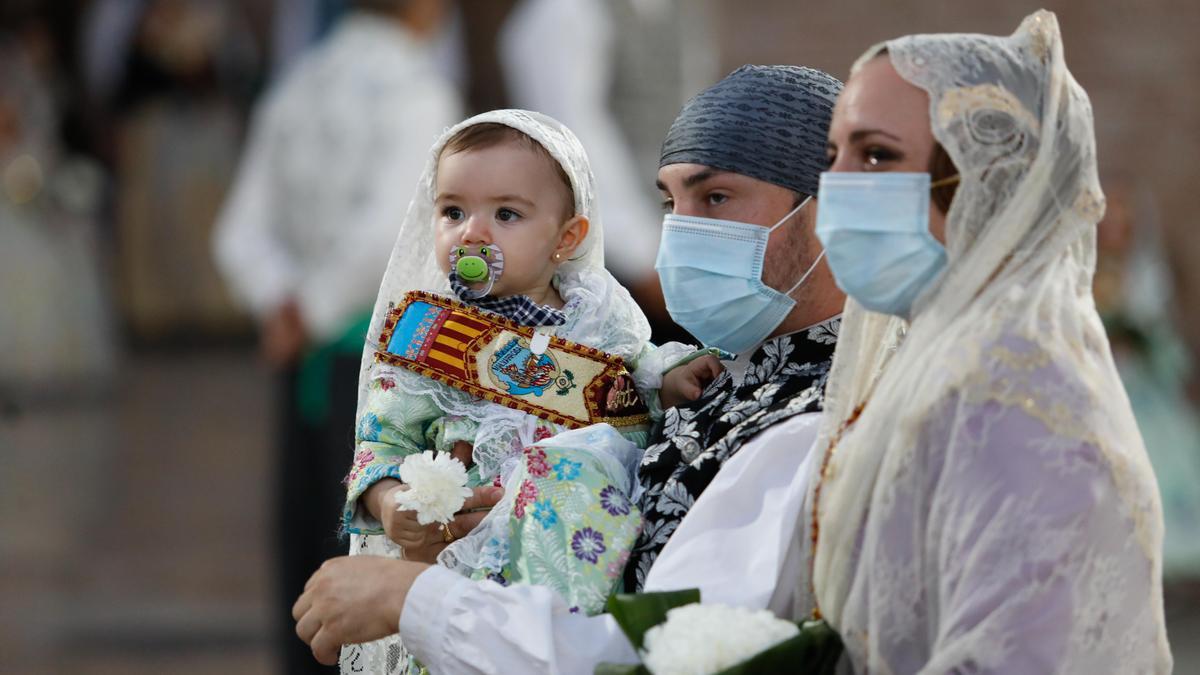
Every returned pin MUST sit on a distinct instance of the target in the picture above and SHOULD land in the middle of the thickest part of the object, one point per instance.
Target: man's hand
(351, 600)
(423, 543)
(283, 336)
(688, 381)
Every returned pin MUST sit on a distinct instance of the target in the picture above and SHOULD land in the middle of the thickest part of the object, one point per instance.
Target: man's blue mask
(711, 273)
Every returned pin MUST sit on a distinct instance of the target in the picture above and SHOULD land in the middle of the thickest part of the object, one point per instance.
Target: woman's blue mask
(875, 228)
(711, 273)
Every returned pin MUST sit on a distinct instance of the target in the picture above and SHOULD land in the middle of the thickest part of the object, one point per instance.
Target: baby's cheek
(443, 241)
(442, 253)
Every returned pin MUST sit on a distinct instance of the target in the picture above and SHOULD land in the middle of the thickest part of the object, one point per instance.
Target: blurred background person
(178, 78)
(296, 24)
(303, 241)
(56, 334)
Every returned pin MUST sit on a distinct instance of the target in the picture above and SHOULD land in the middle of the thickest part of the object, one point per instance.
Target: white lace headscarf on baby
(414, 264)
(1020, 239)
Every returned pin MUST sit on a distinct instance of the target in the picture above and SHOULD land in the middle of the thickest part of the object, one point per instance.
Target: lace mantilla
(993, 508)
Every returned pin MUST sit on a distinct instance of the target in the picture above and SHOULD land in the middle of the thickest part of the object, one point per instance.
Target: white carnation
(437, 487)
(703, 639)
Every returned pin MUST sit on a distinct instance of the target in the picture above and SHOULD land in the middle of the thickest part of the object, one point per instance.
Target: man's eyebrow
(694, 179)
(701, 176)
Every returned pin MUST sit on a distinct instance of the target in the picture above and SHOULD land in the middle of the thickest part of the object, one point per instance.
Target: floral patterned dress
(571, 526)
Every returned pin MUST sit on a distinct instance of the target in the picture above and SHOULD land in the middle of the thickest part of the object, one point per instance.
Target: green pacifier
(472, 270)
(477, 264)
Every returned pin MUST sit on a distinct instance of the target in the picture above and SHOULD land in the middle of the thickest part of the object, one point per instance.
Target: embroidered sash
(494, 358)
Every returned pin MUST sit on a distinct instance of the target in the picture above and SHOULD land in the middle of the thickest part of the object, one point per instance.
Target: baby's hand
(463, 452)
(688, 381)
(423, 543)
(402, 527)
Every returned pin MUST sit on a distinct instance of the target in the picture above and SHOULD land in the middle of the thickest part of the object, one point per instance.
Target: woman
(984, 502)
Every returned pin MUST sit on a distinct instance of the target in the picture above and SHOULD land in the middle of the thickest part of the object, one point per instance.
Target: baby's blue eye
(507, 215)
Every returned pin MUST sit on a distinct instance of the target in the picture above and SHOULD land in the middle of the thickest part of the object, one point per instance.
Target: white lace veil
(1021, 244)
(414, 266)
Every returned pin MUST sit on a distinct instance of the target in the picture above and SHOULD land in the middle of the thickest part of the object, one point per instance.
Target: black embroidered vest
(786, 377)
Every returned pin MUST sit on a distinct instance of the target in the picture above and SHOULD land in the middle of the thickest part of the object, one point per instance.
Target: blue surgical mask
(711, 273)
(875, 229)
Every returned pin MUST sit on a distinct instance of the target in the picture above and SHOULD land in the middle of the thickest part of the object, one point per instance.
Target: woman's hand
(353, 599)
(688, 381)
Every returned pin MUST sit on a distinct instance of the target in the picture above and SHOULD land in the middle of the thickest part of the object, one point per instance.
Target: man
(725, 476)
(304, 240)
(749, 150)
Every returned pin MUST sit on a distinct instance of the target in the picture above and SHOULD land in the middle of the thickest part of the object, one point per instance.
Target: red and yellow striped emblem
(488, 356)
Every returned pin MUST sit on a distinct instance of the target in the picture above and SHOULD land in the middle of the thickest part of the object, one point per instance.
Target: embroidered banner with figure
(489, 356)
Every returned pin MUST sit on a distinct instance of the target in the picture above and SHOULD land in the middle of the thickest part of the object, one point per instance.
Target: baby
(537, 339)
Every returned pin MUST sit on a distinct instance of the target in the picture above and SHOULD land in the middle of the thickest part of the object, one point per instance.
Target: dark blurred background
(140, 392)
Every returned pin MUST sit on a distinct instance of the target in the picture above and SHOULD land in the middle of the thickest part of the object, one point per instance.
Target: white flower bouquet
(676, 635)
(437, 487)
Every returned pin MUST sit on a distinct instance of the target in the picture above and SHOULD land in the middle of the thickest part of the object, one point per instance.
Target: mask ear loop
(807, 274)
(811, 268)
(791, 213)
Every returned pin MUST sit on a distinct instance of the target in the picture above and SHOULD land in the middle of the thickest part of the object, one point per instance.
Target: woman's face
(881, 123)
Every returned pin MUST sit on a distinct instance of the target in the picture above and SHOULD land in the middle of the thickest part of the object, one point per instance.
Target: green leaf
(638, 613)
(815, 651)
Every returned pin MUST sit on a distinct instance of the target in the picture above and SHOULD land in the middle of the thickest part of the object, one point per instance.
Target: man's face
(698, 190)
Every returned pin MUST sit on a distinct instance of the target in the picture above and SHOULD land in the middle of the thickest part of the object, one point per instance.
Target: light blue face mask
(711, 273)
(875, 228)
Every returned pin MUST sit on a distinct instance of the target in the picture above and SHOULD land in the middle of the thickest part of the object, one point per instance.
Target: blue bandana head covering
(766, 122)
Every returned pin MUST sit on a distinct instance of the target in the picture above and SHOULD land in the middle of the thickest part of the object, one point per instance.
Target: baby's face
(506, 195)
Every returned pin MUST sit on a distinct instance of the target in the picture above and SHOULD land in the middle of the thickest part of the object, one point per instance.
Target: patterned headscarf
(766, 122)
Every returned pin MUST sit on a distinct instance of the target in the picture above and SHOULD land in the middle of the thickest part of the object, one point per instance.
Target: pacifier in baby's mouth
(477, 264)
